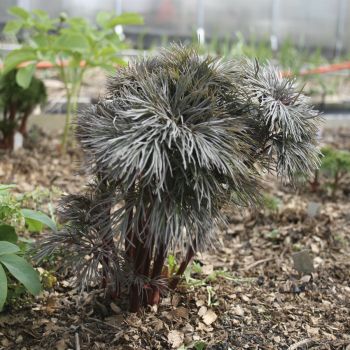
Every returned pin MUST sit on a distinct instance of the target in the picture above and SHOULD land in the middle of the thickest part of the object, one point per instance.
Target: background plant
(17, 104)
(177, 138)
(238, 46)
(335, 165)
(321, 85)
(71, 44)
(289, 57)
(13, 219)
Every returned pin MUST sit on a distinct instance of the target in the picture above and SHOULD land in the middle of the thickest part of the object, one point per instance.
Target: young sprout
(177, 138)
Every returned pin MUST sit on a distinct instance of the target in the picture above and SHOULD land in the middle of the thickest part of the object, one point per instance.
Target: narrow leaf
(40, 217)
(3, 287)
(8, 248)
(23, 272)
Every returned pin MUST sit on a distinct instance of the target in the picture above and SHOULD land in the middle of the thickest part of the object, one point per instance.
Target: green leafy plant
(13, 215)
(17, 104)
(71, 44)
(12, 265)
(177, 138)
(172, 264)
(19, 268)
(335, 164)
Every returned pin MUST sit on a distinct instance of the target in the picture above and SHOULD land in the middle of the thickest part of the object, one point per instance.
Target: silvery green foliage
(177, 138)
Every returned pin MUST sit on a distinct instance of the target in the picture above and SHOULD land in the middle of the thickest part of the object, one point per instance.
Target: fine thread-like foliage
(177, 138)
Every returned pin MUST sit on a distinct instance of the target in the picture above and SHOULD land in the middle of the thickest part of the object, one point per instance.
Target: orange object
(327, 69)
(322, 70)
(49, 65)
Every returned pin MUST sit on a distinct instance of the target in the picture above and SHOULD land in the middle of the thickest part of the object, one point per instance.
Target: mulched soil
(245, 295)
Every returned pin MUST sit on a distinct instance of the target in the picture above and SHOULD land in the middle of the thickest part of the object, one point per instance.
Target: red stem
(23, 127)
(159, 262)
(314, 184)
(129, 241)
(130, 248)
(153, 296)
(137, 296)
(141, 267)
(147, 262)
(134, 300)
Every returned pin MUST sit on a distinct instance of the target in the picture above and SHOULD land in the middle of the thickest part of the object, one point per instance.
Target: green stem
(67, 123)
(74, 110)
(72, 93)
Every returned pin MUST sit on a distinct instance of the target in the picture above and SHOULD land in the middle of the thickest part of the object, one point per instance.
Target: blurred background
(308, 24)
(309, 39)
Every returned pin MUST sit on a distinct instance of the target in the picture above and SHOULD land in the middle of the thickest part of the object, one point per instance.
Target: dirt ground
(256, 291)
